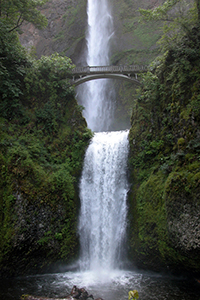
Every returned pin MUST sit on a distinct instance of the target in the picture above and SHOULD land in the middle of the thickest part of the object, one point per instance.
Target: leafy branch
(133, 295)
(14, 12)
(177, 17)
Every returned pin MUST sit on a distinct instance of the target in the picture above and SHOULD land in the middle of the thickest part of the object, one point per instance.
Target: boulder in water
(76, 293)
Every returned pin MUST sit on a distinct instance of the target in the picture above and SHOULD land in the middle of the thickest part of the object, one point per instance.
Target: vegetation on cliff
(165, 159)
(42, 143)
(64, 33)
(14, 13)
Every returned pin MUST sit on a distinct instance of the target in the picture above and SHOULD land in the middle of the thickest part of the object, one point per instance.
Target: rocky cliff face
(67, 25)
(65, 32)
(135, 42)
(164, 159)
(183, 215)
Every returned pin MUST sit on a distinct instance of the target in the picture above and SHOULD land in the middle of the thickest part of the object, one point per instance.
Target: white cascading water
(103, 190)
(103, 185)
(97, 96)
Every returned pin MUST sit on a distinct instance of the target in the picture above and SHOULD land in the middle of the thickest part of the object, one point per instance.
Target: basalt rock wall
(65, 32)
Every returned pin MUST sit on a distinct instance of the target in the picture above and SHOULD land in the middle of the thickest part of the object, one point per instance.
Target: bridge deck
(109, 69)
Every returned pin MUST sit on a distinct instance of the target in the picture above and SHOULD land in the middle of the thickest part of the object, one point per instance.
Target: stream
(112, 286)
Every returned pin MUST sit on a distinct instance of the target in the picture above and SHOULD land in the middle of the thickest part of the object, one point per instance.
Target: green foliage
(160, 12)
(132, 295)
(43, 137)
(13, 64)
(148, 152)
(48, 78)
(14, 12)
(178, 17)
(61, 180)
(44, 240)
(164, 153)
(43, 170)
(14, 60)
(181, 142)
(48, 90)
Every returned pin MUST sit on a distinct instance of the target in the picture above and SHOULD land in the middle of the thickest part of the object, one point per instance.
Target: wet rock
(76, 293)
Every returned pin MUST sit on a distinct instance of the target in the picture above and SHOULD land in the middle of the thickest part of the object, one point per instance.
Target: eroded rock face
(130, 35)
(183, 215)
(185, 227)
(34, 221)
(64, 33)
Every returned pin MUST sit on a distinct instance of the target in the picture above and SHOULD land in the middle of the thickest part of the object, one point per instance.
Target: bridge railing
(109, 69)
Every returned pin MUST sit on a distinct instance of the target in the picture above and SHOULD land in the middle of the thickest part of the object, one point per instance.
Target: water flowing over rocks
(103, 184)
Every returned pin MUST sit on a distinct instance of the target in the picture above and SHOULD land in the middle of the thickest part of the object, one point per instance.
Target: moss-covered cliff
(39, 192)
(43, 138)
(165, 162)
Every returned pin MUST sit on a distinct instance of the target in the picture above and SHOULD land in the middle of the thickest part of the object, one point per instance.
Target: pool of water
(109, 286)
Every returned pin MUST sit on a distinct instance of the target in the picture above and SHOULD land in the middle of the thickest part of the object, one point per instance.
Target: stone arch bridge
(129, 73)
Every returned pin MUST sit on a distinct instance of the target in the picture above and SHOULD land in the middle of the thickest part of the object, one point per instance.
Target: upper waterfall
(97, 96)
(100, 31)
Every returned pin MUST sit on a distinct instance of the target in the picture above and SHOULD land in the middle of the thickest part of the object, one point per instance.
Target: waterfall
(103, 185)
(103, 190)
(97, 96)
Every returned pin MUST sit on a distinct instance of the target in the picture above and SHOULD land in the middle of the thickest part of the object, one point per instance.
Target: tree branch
(19, 23)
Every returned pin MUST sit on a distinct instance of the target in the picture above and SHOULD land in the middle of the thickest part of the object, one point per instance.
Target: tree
(48, 89)
(13, 63)
(14, 12)
(13, 57)
(48, 79)
(177, 16)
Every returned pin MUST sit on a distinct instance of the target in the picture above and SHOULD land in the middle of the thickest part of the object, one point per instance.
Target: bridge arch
(86, 78)
(128, 73)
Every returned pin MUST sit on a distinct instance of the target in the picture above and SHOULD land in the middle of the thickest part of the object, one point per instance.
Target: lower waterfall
(103, 191)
